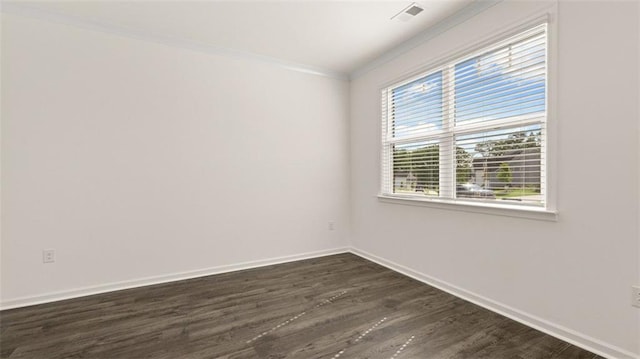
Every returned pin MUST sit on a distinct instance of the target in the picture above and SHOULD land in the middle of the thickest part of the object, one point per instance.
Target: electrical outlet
(635, 296)
(332, 225)
(48, 256)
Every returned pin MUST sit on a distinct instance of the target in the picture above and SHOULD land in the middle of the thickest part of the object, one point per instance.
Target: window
(472, 130)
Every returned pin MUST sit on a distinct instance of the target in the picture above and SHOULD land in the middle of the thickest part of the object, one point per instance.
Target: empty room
(320, 179)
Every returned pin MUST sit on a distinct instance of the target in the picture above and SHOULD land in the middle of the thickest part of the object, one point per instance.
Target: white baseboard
(141, 282)
(571, 336)
(568, 335)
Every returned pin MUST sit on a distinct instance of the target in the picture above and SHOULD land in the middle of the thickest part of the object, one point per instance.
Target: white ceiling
(336, 36)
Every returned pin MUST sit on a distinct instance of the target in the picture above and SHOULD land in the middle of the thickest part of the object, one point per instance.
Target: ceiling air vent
(408, 13)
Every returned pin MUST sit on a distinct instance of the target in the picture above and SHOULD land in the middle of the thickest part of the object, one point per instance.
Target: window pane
(416, 168)
(471, 129)
(504, 164)
(503, 83)
(416, 107)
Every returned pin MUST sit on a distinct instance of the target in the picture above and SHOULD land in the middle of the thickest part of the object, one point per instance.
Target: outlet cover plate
(48, 256)
(635, 296)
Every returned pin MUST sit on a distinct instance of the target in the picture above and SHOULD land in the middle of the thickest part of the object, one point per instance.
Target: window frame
(447, 65)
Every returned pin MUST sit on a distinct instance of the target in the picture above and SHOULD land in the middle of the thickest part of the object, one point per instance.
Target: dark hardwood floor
(339, 306)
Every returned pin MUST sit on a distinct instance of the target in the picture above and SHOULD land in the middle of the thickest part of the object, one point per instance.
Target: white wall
(571, 277)
(133, 159)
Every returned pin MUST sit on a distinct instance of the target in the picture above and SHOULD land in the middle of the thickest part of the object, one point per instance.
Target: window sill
(498, 209)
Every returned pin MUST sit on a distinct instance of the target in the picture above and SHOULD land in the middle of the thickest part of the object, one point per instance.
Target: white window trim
(499, 209)
(547, 213)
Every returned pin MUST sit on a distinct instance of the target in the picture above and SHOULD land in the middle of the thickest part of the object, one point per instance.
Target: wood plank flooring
(339, 306)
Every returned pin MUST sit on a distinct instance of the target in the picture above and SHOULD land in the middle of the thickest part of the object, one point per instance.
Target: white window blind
(473, 129)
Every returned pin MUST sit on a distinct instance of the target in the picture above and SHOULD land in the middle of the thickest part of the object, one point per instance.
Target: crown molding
(24, 10)
(459, 17)
(456, 19)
